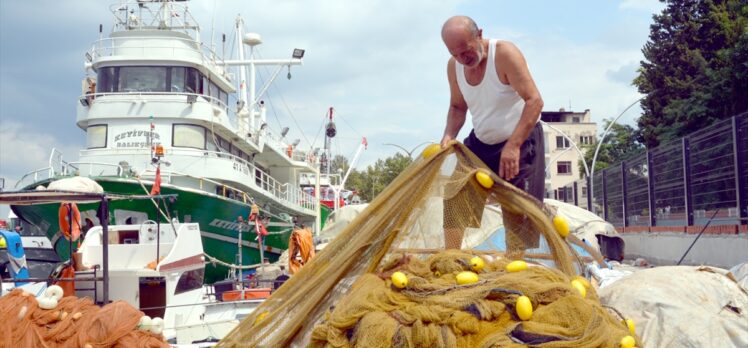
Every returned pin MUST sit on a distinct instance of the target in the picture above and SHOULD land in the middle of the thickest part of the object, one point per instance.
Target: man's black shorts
(531, 177)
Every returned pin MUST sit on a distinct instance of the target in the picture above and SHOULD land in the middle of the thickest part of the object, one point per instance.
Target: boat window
(236, 151)
(213, 92)
(96, 136)
(107, 80)
(142, 79)
(190, 280)
(193, 81)
(223, 96)
(224, 145)
(187, 135)
(177, 79)
(211, 143)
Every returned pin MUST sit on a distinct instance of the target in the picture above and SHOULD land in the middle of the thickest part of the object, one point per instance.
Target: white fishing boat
(157, 104)
(156, 268)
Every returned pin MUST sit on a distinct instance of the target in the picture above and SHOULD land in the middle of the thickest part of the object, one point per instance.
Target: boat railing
(168, 97)
(131, 15)
(94, 169)
(35, 176)
(56, 166)
(288, 193)
(294, 154)
(179, 48)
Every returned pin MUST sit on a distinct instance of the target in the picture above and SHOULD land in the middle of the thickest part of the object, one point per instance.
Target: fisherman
(281, 278)
(490, 78)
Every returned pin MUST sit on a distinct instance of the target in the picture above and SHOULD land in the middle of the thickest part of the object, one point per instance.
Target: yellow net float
(399, 280)
(576, 284)
(630, 324)
(430, 151)
(583, 280)
(477, 263)
(523, 308)
(562, 227)
(260, 317)
(628, 342)
(516, 266)
(467, 277)
(484, 179)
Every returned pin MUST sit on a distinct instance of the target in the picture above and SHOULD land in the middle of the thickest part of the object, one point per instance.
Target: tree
(339, 164)
(376, 177)
(694, 71)
(619, 144)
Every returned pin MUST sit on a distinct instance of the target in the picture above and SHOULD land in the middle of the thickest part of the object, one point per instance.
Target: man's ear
(480, 33)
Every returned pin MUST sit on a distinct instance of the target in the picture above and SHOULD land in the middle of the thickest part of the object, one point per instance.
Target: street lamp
(591, 191)
(571, 141)
(406, 150)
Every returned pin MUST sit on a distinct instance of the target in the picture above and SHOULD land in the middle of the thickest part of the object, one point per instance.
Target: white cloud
(381, 64)
(24, 149)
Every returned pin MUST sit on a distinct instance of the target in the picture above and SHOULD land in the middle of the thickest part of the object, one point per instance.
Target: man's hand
(445, 140)
(509, 162)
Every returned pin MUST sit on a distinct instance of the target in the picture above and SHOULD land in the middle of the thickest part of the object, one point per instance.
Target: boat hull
(216, 215)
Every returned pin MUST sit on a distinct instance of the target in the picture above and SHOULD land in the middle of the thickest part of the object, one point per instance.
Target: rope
(214, 260)
(165, 216)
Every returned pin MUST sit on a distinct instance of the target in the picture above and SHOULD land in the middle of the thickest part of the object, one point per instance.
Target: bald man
(490, 78)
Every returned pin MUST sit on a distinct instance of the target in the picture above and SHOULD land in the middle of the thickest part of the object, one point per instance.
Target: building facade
(567, 134)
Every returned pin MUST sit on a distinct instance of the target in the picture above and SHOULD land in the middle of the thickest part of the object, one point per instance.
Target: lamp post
(573, 144)
(406, 150)
(591, 191)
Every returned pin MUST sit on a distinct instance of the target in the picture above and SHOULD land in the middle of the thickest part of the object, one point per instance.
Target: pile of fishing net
(74, 322)
(403, 273)
(435, 310)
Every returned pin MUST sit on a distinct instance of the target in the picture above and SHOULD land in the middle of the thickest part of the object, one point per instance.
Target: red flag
(260, 228)
(156, 190)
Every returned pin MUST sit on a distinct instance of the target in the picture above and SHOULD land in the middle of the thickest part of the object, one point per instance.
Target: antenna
(213, 28)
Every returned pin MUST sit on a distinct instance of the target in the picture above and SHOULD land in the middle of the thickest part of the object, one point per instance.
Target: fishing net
(418, 226)
(74, 322)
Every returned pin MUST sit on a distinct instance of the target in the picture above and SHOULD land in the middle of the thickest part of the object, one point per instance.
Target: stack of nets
(418, 226)
(75, 322)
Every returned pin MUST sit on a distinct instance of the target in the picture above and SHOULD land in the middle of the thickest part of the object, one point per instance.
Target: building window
(96, 136)
(562, 142)
(585, 139)
(575, 119)
(550, 117)
(584, 191)
(187, 135)
(564, 167)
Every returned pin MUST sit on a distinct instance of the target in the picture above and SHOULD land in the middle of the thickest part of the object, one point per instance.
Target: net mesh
(344, 297)
(74, 322)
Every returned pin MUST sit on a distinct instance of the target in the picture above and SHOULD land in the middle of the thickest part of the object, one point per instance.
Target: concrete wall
(666, 248)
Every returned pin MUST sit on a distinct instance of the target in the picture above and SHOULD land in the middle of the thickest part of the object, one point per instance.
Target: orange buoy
(63, 215)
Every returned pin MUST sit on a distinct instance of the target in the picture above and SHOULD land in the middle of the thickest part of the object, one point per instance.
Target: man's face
(466, 50)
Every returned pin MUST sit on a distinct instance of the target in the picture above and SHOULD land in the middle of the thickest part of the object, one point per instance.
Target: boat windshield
(177, 79)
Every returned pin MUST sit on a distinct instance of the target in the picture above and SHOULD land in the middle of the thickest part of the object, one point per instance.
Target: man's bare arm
(518, 75)
(514, 67)
(457, 106)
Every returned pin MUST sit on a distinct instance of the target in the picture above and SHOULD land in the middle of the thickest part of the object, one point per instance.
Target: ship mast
(250, 109)
(330, 133)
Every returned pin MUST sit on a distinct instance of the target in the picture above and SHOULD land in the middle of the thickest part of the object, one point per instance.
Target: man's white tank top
(495, 107)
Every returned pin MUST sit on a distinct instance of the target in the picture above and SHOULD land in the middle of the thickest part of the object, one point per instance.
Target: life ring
(63, 213)
(290, 151)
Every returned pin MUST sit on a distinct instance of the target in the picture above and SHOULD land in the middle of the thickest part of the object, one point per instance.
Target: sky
(380, 64)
